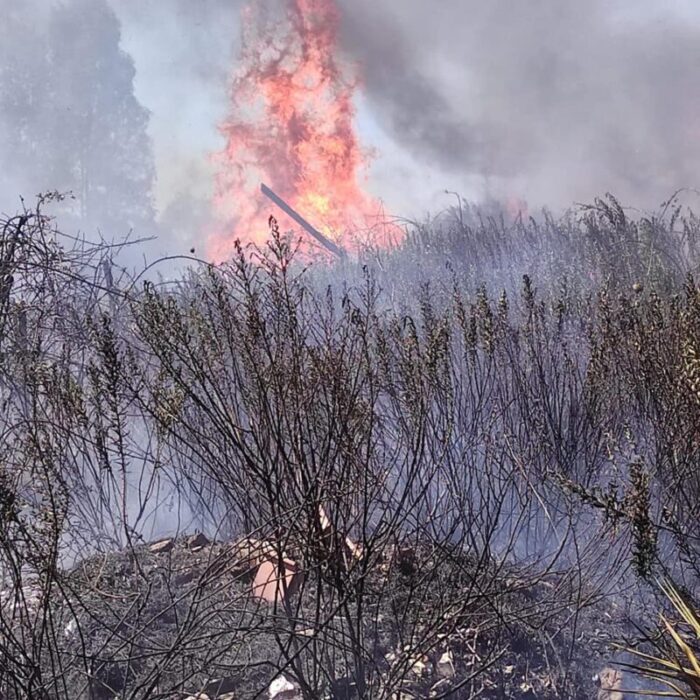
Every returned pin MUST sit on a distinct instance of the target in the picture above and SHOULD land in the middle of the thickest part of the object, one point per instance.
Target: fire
(291, 127)
(517, 207)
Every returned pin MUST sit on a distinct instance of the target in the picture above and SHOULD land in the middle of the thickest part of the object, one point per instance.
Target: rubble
(224, 583)
(220, 687)
(402, 559)
(446, 666)
(353, 551)
(284, 689)
(343, 689)
(276, 580)
(419, 665)
(162, 546)
(207, 696)
(197, 541)
(247, 554)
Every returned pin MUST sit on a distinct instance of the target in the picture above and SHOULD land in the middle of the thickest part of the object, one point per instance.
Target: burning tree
(291, 126)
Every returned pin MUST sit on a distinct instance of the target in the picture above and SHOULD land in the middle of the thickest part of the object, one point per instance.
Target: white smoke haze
(184, 53)
(550, 102)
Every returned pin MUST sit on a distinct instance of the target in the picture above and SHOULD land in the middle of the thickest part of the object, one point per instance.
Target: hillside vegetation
(479, 451)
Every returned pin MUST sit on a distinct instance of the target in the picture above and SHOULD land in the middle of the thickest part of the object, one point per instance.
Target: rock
(218, 687)
(446, 666)
(197, 541)
(162, 546)
(283, 689)
(198, 696)
(441, 687)
(609, 681)
(275, 580)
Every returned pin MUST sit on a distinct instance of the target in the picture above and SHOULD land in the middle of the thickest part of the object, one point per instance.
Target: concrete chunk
(162, 546)
(284, 689)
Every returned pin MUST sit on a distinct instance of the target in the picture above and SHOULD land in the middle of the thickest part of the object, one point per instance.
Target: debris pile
(231, 620)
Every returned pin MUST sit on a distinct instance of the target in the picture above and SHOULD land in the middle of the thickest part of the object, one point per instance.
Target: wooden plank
(323, 240)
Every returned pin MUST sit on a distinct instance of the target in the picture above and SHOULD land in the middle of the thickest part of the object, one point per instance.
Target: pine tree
(23, 88)
(69, 119)
(100, 148)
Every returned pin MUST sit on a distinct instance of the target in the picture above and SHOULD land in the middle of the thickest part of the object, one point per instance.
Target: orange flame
(517, 207)
(291, 127)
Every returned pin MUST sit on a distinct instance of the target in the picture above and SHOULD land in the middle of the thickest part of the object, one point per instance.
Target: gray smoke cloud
(554, 100)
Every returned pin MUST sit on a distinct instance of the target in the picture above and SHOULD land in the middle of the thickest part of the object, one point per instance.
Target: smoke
(184, 54)
(555, 101)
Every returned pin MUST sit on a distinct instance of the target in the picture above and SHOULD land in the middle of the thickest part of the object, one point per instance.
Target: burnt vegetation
(476, 455)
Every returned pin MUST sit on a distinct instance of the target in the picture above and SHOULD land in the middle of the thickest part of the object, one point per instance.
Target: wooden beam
(327, 243)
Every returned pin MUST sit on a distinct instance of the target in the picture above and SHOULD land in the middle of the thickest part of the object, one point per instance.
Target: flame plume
(291, 126)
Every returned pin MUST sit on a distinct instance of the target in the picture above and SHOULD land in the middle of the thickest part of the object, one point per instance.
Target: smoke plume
(554, 101)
